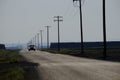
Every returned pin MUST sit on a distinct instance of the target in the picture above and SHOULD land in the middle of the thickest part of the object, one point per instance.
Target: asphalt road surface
(65, 67)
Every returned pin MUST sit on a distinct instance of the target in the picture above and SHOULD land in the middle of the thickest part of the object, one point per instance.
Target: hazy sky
(21, 20)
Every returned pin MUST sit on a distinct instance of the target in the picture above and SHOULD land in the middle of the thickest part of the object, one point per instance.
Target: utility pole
(41, 39)
(38, 39)
(30, 41)
(104, 31)
(47, 35)
(35, 40)
(81, 26)
(58, 19)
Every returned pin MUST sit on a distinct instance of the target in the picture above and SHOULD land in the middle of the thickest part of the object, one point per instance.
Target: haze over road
(64, 67)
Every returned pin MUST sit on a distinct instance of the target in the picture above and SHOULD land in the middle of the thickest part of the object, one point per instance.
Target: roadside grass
(16, 73)
(7, 70)
(10, 56)
(49, 50)
(86, 50)
(113, 54)
(73, 51)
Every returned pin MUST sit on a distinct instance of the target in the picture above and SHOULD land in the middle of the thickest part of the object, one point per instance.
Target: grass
(7, 70)
(15, 73)
(69, 51)
(49, 50)
(113, 54)
(10, 56)
(86, 50)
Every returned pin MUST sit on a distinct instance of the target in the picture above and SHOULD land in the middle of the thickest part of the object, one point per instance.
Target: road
(65, 67)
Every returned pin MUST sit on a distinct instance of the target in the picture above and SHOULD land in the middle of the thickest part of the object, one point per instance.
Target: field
(113, 54)
(14, 67)
(9, 70)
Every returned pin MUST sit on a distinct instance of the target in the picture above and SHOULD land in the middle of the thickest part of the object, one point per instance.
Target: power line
(77, 4)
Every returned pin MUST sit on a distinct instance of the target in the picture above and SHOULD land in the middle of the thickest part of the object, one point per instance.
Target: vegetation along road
(65, 67)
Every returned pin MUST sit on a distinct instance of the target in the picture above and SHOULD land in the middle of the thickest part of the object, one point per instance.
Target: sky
(21, 20)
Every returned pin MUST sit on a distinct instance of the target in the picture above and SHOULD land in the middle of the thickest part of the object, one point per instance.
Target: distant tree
(2, 46)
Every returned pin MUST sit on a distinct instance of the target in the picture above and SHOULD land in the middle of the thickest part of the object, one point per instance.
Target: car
(31, 47)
